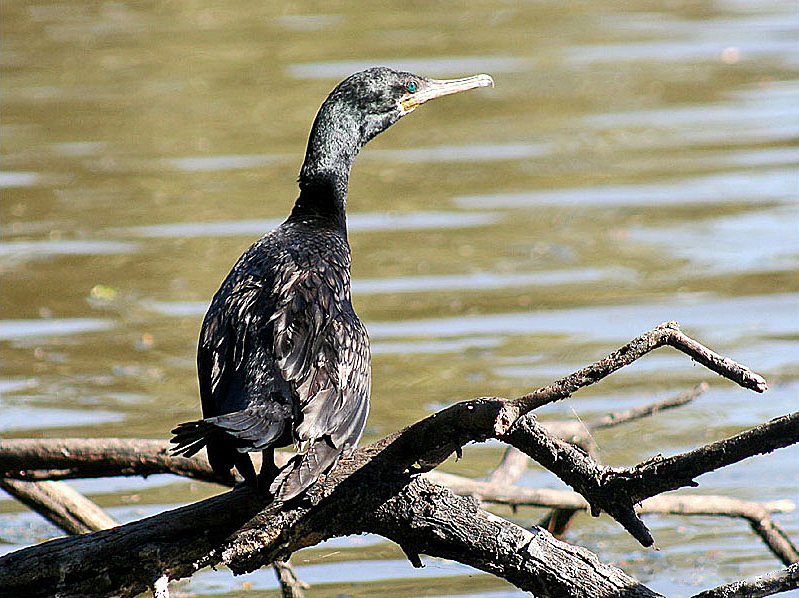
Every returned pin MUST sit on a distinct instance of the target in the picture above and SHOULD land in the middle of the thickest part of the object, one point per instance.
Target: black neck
(334, 142)
(322, 200)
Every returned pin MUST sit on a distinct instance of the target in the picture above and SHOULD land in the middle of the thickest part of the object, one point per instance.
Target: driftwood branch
(494, 490)
(243, 532)
(758, 515)
(60, 504)
(765, 585)
(375, 489)
(69, 510)
(72, 458)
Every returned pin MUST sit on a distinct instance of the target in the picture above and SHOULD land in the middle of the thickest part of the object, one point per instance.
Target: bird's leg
(246, 469)
(269, 470)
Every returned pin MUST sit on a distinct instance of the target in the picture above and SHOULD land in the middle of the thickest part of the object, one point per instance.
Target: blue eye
(411, 86)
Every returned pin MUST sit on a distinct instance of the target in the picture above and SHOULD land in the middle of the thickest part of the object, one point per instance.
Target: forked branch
(243, 530)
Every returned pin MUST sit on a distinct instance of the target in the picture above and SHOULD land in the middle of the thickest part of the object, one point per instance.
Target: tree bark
(375, 489)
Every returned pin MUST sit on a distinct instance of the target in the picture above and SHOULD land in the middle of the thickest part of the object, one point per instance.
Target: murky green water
(637, 162)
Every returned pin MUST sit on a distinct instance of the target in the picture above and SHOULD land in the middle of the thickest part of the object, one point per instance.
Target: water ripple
(9, 179)
(20, 329)
(482, 280)
(730, 187)
(716, 317)
(433, 66)
(366, 222)
(25, 249)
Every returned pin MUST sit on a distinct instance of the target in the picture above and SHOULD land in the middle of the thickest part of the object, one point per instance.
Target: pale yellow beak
(435, 88)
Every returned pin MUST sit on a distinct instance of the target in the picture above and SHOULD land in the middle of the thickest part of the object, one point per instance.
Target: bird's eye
(411, 86)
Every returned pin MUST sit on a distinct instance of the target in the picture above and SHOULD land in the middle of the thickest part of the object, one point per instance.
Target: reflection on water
(772, 247)
(708, 316)
(462, 153)
(635, 163)
(433, 66)
(728, 188)
(480, 280)
(29, 249)
(26, 418)
(18, 179)
(355, 223)
(213, 163)
(20, 329)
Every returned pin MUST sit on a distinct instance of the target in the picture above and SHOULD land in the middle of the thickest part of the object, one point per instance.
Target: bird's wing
(322, 349)
(223, 345)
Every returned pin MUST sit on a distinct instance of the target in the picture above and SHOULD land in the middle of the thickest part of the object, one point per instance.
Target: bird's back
(282, 356)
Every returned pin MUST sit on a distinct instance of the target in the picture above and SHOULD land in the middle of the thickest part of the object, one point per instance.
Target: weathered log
(375, 489)
(241, 530)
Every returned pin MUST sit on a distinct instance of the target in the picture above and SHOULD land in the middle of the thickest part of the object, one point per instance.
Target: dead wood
(758, 515)
(241, 530)
(60, 504)
(72, 512)
(376, 490)
(765, 585)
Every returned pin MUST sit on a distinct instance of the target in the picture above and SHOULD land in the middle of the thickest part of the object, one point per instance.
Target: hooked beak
(435, 88)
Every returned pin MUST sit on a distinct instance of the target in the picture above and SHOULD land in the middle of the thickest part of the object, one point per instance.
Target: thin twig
(668, 333)
(641, 411)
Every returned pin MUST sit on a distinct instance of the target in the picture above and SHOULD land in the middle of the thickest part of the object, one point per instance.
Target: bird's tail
(248, 430)
(190, 437)
(304, 469)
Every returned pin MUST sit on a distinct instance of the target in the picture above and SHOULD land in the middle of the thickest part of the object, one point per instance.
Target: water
(635, 163)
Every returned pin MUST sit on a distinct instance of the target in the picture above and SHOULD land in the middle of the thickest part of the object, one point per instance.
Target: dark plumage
(282, 357)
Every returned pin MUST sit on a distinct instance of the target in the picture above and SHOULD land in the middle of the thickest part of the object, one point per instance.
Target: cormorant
(282, 357)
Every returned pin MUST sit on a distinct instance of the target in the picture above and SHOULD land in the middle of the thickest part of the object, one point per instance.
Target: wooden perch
(375, 489)
(69, 510)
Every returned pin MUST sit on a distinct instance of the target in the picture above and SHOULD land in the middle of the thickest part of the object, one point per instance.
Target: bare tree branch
(432, 520)
(765, 585)
(291, 586)
(756, 514)
(668, 333)
(69, 458)
(617, 490)
(69, 510)
(242, 530)
(510, 469)
(580, 433)
(60, 504)
(641, 411)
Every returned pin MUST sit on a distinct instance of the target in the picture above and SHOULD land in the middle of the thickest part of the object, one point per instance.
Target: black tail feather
(190, 438)
(248, 430)
(303, 470)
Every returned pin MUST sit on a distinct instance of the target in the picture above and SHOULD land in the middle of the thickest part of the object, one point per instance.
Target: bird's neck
(334, 142)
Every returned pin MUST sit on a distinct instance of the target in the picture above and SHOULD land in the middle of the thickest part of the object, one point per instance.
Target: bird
(282, 357)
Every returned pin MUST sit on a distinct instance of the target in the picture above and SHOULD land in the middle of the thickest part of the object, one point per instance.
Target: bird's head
(378, 97)
(360, 107)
